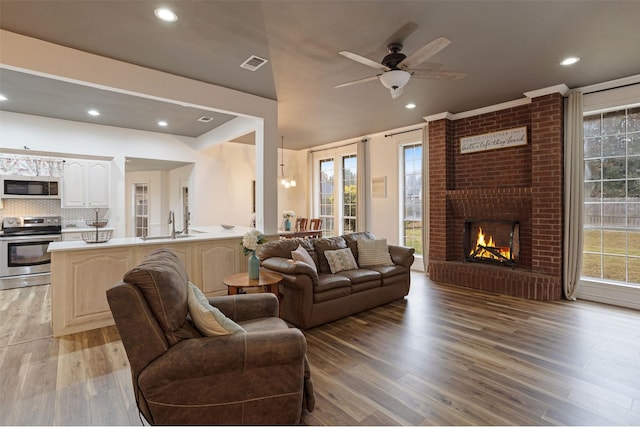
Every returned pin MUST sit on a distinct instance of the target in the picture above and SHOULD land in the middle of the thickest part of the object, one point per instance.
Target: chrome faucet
(172, 222)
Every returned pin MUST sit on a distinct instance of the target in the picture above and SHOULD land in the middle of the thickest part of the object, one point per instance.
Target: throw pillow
(340, 260)
(321, 245)
(208, 319)
(302, 255)
(373, 252)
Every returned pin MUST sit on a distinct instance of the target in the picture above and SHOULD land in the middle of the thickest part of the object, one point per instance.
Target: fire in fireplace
(495, 242)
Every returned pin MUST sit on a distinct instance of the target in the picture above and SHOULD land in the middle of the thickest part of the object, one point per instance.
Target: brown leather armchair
(180, 377)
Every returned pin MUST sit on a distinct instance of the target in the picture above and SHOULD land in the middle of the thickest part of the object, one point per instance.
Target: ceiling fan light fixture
(287, 181)
(395, 79)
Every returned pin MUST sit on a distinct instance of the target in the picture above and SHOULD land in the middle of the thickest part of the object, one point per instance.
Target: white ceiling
(505, 47)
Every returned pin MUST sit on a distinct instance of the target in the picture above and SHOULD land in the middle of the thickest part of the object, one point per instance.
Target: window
(141, 209)
(349, 193)
(335, 200)
(612, 196)
(411, 210)
(326, 195)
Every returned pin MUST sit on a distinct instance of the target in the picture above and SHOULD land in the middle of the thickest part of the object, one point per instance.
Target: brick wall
(522, 183)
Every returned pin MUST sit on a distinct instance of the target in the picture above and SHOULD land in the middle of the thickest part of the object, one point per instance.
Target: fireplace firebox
(495, 242)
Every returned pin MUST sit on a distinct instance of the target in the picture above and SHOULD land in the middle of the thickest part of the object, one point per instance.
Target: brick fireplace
(520, 184)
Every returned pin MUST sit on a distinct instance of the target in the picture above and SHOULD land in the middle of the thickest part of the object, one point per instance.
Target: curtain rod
(612, 84)
(401, 132)
(363, 140)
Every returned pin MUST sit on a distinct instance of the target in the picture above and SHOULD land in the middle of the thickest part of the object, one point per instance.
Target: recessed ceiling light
(570, 60)
(3, 98)
(410, 105)
(162, 123)
(165, 14)
(94, 112)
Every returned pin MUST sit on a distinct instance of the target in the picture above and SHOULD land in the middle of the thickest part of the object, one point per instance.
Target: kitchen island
(81, 273)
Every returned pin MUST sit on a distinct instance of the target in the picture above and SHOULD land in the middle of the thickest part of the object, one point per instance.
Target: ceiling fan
(396, 68)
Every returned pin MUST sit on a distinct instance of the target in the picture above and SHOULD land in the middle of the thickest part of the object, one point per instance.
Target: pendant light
(286, 181)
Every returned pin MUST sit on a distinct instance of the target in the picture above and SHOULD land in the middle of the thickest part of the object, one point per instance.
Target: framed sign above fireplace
(494, 140)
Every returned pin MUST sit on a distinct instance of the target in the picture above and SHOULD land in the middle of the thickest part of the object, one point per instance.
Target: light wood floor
(443, 356)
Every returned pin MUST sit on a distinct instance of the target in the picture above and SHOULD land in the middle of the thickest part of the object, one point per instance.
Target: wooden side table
(267, 282)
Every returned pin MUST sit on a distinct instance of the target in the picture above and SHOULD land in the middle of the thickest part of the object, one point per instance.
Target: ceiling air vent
(205, 119)
(253, 63)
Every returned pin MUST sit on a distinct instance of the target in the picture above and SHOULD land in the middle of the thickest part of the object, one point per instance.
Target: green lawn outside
(413, 238)
(615, 245)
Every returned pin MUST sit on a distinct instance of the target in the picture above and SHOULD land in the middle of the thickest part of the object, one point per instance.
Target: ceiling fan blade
(395, 93)
(438, 74)
(353, 82)
(401, 34)
(425, 52)
(362, 60)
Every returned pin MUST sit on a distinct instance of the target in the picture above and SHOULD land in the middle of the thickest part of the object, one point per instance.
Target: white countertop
(73, 229)
(197, 233)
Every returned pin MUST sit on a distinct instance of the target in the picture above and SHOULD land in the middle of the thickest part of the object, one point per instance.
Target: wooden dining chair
(315, 224)
(301, 224)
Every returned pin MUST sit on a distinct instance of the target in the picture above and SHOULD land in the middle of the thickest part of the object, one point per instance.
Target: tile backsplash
(47, 207)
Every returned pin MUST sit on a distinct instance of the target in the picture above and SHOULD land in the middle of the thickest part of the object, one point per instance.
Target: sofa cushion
(327, 244)
(340, 260)
(373, 252)
(389, 271)
(327, 281)
(208, 319)
(302, 255)
(352, 241)
(284, 247)
(162, 279)
(357, 276)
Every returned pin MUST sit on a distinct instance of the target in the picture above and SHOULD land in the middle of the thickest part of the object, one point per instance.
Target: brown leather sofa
(259, 376)
(310, 299)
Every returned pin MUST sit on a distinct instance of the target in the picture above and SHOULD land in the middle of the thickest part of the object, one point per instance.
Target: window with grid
(349, 193)
(411, 214)
(326, 195)
(141, 208)
(612, 196)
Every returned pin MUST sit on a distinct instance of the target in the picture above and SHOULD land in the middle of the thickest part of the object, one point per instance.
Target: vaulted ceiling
(505, 48)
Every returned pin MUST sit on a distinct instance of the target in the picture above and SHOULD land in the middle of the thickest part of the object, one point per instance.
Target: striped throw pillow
(373, 252)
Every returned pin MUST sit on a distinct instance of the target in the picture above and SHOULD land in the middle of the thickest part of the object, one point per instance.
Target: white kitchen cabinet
(86, 184)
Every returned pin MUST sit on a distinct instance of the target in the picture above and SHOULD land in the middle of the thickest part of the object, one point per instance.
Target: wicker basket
(96, 236)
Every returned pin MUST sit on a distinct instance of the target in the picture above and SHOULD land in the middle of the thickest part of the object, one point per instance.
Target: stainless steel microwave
(30, 187)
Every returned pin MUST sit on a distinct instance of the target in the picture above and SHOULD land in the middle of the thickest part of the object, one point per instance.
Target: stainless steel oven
(24, 259)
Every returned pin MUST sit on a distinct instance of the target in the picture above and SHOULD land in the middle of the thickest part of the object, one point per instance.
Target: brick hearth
(522, 183)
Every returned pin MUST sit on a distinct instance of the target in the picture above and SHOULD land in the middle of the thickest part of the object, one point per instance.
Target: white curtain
(573, 195)
(31, 166)
(362, 180)
(310, 185)
(425, 198)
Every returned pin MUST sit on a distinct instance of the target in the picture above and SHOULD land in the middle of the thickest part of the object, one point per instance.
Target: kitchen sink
(151, 238)
(178, 236)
